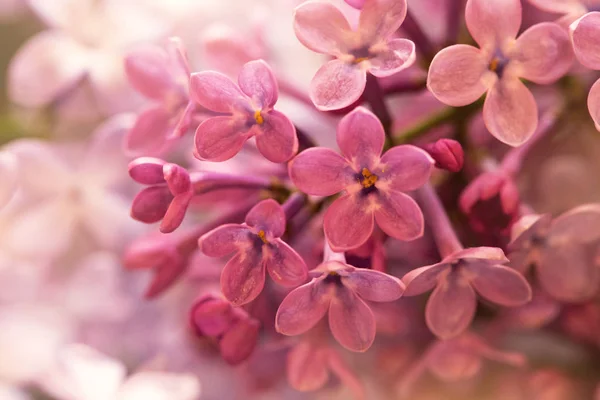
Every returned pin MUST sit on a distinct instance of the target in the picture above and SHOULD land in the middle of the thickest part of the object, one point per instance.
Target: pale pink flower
(461, 74)
(571, 9)
(247, 110)
(372, 184)
(8, 176)
(66, 188)
(322, 27)
(563, 251)
(340, 290)
(86, 40)
(456, 280)
(258, 248)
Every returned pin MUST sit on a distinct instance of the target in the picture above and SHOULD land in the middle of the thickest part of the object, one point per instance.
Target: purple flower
(248, 111)
(341, 290)
(258, 247)
(322, 27)
(455, 280)
(162, 76)
(373, 185)
(460, 74)
(563, 251)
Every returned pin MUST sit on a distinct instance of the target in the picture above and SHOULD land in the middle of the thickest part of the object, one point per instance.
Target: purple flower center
(498, 64)
(361, 54)
(333, 278)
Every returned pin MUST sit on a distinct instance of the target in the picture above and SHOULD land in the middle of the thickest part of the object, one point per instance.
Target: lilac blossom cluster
(405, 223)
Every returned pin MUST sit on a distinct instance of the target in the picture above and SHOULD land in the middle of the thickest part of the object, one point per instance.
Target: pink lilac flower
(461, 275)
(340, 290)
(572, 9)
(8, 176)
(163, 77)
(258, 248)
(322, 27)
(372, 184)
(247, 110)
(460, 74)
(563, 251)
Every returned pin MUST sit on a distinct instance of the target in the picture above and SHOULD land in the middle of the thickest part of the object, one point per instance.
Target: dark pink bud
(238, 343)
(165, 274)
(178, 179)
(447, 153)
(211, 315)
(151, 204)
(148, 252)
(147, 170)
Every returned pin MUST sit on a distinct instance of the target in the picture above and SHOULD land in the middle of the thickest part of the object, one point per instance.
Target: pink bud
(238, 343)
(447, 153)
(178, 179)
(147, 170)
(151, 204)
(211, 315)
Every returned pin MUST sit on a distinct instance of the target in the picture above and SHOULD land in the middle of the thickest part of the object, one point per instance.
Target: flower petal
(593, 103)
(215, 91)
(569, 273)
(584, 33)
(451, 307)
(456, 75)
(277, 140)
(348, 223)
(176, 212)
(47, 65)
(500, 284)
(351, 321)
(379, 19)
(490, 255)
(257, 81)
(360, 137)
(224, 240)
(510, 112)
(399, 54)
(151, 204)
(493, 23)
(269, 216)
(243, 277)
(307, 368)
(147, 170)
(239, 341)
(220, 138)
(423, 279)
(148, 71)
(399, 216)
(149, 133)
(559, 6)
(322, 27)
(337, 85)
(404, 168)
(320, 172)
(285, 265)
(9, 174)
(374, 285)
(160, 386)
(581, 224)
(542, 53)
(302, 308)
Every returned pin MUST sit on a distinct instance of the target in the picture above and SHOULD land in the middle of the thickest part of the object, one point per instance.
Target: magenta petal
(456, 75)
(268, 216)
(165, 275)
(320, 172)
(285, 266)
(559, 6)
(147, 170)
(151, 204)
(351, 321)
(150, 132)
(483, 254)
(224, 240)
(399, 216)
(404, 168)
(543, 53)
(580, 224)
(215, 91)
(499, 284)
(243, 277)
(307, 368)
(148, 71)
(277, 140)
(220, 138)
(400, 54)
(379, 19)
(238, 343)
(423, 279)
(593, 103)
(360, 137)
(569, 273)
(451, 307)
(510, 112)
(302, 308)
(374, 285)
(584, 33)
(492, 23)
(176, 212)
(348, 223)
(337, 85)
(321, 27)
(257, 81)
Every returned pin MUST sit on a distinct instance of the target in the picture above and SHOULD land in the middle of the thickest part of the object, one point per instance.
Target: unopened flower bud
(447, 153)
(211, 315)
(238, 343)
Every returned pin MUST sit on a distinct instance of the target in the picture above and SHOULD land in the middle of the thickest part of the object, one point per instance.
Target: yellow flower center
(368, 178)
(263, 236)
(494, 64)
(360, 59)
(258, 117)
